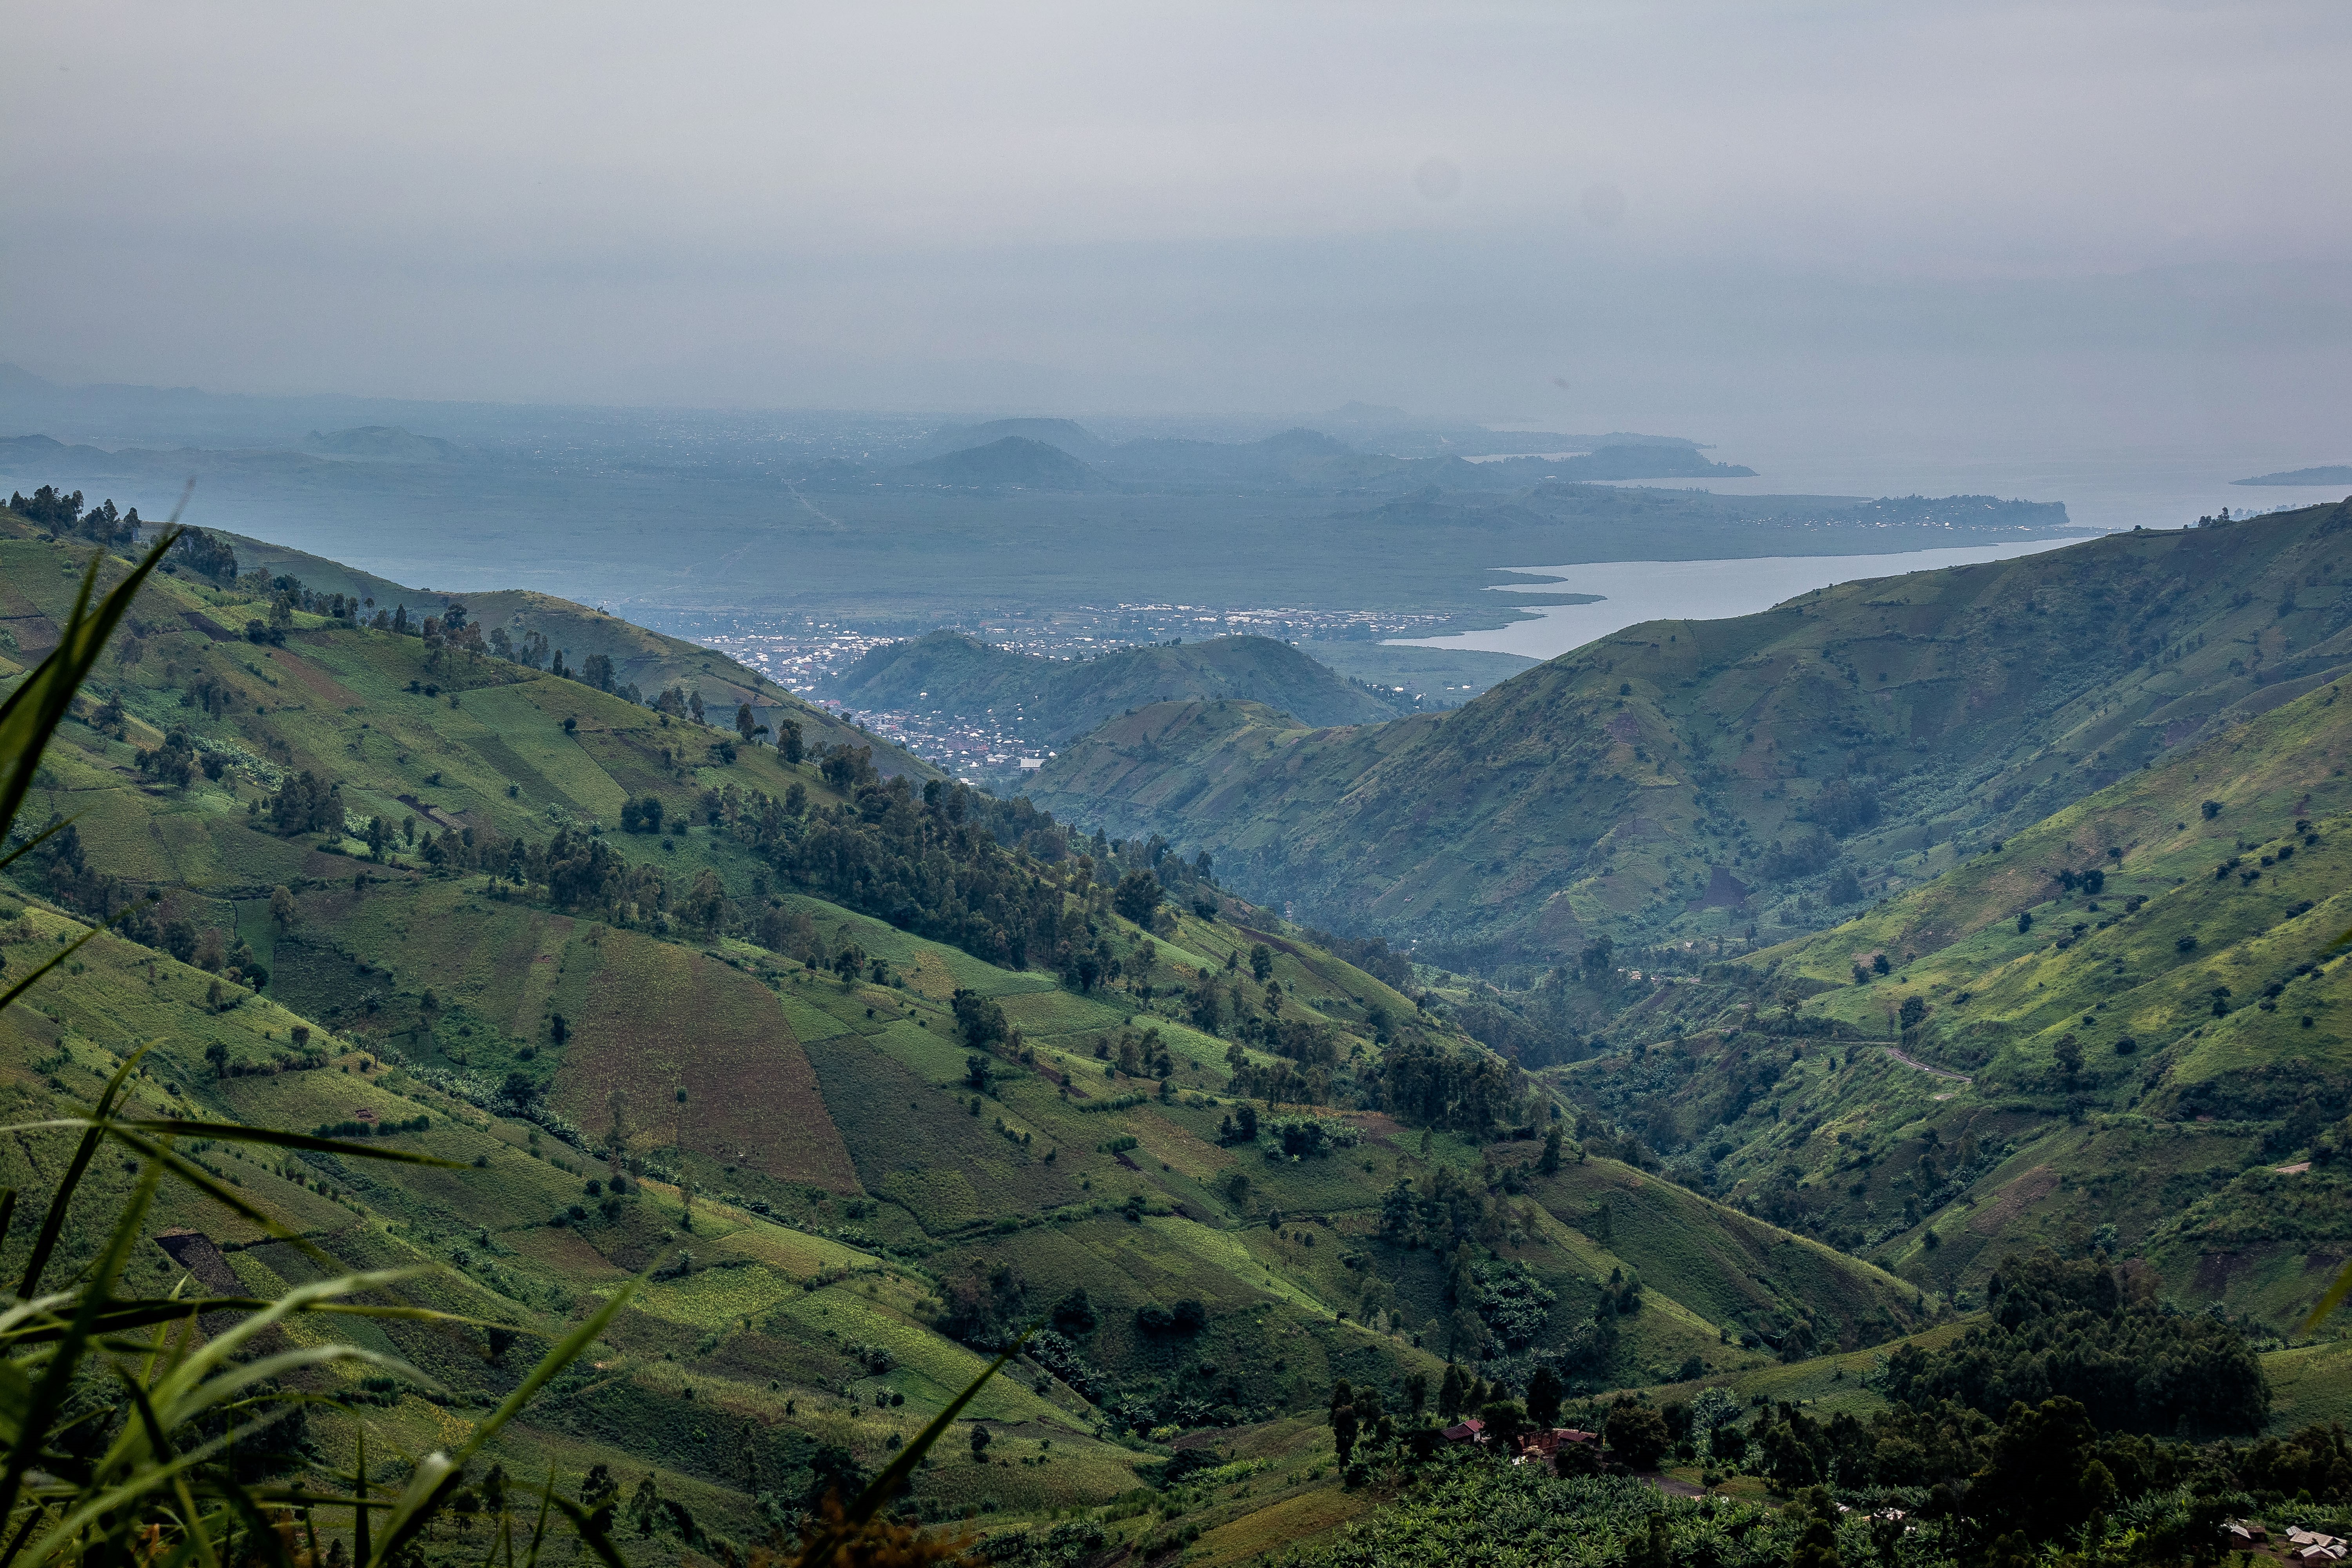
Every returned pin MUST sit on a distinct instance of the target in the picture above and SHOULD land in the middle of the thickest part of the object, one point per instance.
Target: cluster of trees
(61, 513)
(926, 861)
(1309, 1137)
(1371, 954)
(1534, 1028)
(305, 804)
(199, 554)
(1426, 1083)
(2040, 1473)
(1978, 1486)
(915, 860)
(581, 872)
(1512, 1303)
(172, 763)
(1453, 1210)
(1800, 855)
(288, 593)
(2070, 1330)
(1842, 807)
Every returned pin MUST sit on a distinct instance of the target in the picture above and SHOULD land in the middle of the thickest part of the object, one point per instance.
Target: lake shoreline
(1610, 595)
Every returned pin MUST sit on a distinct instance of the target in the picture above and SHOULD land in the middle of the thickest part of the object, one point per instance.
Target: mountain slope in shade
(2128, 1025)
(1696, 777)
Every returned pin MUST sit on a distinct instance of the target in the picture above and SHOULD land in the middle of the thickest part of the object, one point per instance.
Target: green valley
(870, 1071)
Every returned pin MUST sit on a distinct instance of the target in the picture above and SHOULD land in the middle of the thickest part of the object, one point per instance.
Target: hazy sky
(2062, 223)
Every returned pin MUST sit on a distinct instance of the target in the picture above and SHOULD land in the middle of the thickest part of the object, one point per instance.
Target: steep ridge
(2128, 1025)
(1058, 700)
(1686, 779)
(859, 1151)
(650, 661)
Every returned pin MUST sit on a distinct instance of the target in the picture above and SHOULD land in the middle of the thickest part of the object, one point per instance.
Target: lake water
(2104, 490)
(1635, 591)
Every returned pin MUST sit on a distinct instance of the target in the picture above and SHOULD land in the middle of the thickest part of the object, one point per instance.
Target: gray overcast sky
(2071, 223)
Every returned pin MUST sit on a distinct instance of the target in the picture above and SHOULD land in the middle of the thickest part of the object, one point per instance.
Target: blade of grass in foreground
(34, 710)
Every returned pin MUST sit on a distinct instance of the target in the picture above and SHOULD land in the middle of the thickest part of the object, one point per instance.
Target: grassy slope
(2178, 1125)
(1062, 699)
(791, 1085)
(1608, 790)
(650, 660)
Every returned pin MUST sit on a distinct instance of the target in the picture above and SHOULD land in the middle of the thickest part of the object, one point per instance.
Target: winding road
(1922, 1067)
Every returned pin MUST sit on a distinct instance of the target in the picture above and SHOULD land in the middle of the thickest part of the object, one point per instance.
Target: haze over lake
(1632, 592)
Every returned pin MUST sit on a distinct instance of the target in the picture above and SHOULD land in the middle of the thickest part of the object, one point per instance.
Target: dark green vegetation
(2076, 1415)
(1055, 700)
(2042, 1485)
(1704, 781)
(869, 1072)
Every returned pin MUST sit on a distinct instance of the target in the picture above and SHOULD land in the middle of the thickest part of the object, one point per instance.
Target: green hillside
(1055, 700)
(1694, 779)
(872, 1074)
(649, 660)
(2125, 1026)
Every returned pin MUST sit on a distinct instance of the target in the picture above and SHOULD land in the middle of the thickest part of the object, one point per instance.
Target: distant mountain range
(1014, 452)
(1389, 431)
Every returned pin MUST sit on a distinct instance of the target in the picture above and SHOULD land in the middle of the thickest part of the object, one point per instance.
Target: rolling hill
(1059, 699)
(2128, 1025)
(1068, 434)
(1741, 778)
(649, 660)
(869, 1074)
(1015, 462)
